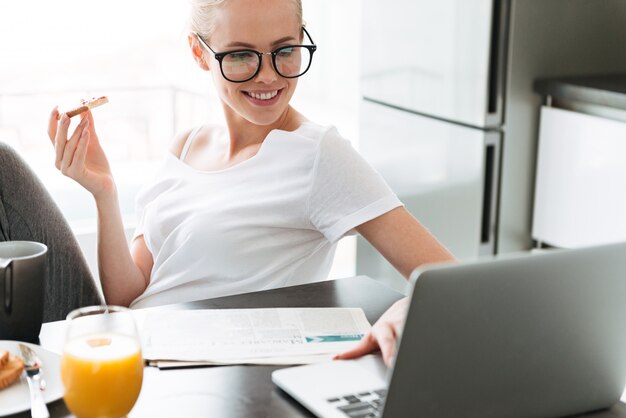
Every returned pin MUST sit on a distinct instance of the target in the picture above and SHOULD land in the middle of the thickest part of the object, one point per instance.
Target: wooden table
(245, 391)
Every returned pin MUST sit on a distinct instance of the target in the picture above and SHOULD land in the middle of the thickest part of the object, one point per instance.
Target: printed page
(251, 336)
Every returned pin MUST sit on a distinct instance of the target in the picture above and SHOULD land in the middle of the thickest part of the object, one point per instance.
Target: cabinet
(580, 193)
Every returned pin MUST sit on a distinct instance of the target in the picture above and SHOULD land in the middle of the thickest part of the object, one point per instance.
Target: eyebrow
(246, 45)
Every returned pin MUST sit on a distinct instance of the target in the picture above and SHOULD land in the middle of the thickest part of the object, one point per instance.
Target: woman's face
(262, 25)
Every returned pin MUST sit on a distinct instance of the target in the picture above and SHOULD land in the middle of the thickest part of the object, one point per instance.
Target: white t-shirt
(270, 221)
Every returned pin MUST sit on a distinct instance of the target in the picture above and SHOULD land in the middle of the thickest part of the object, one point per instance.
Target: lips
(263, 97)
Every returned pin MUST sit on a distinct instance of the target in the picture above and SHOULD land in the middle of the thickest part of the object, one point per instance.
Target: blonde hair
(202, 19)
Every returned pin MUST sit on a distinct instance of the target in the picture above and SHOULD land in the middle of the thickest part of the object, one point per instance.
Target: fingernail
(64, 118)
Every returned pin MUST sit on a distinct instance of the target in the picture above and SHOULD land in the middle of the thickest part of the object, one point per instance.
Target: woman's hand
(80, 157)
(383, 335)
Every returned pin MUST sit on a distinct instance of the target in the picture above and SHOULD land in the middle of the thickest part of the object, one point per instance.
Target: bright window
(136, 53)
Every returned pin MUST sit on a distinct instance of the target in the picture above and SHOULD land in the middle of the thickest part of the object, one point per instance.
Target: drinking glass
(101, 367)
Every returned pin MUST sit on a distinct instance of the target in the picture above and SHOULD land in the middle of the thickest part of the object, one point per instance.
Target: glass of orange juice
(101, 367)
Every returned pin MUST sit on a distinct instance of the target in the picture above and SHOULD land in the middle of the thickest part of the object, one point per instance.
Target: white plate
(16, 397)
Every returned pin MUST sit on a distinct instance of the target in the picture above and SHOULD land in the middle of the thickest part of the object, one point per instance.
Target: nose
(266, 73)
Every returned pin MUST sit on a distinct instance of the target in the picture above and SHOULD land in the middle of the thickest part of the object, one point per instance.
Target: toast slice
(11, 371)
(85, 105)
(4, 358)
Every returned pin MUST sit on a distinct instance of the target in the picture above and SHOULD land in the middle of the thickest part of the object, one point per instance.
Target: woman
(258, 204)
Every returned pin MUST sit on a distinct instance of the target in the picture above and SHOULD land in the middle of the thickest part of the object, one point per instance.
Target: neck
(244, 133)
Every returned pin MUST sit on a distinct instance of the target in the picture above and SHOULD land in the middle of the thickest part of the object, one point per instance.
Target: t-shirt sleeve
(346, 191)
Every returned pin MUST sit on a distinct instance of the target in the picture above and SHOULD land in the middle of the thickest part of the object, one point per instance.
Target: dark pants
(28, 213)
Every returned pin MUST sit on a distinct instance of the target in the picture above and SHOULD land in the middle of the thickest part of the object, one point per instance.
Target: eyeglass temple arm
(204, 43)
(308, 35)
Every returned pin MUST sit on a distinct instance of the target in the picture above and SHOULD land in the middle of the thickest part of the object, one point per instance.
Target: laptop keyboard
(360, 405)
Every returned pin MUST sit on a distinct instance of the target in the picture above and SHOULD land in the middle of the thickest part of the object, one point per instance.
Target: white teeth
(263, 96)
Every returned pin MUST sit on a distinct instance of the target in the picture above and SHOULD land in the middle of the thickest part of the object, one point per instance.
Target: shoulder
(178, 143)
(337, 156)
(320, 142)
(314, 134)
(201, 136)
(331, 144)
(307, 144)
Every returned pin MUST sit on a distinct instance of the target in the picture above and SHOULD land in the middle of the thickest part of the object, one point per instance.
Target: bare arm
(124, 273)
(403, 241)
(406, 244)
(81, 158)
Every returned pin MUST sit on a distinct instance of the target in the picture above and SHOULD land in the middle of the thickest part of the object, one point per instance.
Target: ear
(197, 51)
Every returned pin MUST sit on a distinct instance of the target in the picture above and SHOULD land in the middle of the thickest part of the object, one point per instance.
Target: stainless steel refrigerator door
(441, 58)
(444, 173)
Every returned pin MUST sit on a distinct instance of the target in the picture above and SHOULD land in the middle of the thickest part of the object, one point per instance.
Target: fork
(36, 382)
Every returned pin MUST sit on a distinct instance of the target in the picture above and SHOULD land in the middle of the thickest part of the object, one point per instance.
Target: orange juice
(102, 375)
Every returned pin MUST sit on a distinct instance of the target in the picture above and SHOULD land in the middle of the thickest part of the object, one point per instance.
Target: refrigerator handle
(497, 61)
(490, 193)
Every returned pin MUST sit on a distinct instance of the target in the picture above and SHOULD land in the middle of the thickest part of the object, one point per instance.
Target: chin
(264, 121)
(263, 118)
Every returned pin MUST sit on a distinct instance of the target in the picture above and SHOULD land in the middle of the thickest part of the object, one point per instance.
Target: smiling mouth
(268, 95)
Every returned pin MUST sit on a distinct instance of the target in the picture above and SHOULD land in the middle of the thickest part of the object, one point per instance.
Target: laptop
(539, 335)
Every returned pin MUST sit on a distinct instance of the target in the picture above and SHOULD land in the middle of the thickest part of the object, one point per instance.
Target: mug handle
(6, 272)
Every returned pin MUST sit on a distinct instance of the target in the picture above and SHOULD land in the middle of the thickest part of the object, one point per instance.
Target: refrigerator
(448, 115)
(431, 116)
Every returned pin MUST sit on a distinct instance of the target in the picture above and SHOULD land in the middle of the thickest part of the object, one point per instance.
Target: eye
(241, 56)
(286, 51)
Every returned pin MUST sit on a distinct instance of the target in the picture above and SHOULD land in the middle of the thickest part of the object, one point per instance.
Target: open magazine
(279, 336)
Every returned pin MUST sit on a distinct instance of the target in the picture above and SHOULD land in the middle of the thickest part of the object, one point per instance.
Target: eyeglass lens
(289, 61)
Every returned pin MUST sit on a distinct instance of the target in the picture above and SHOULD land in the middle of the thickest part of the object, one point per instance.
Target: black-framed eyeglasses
(241, 65)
